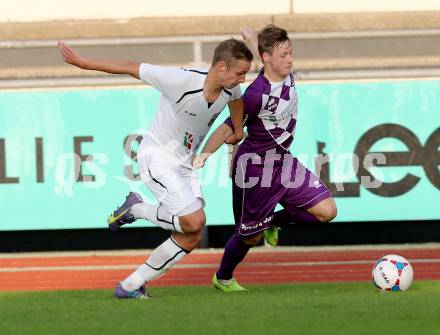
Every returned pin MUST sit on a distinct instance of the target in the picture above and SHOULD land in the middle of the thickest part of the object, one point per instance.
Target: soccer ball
(392, 273)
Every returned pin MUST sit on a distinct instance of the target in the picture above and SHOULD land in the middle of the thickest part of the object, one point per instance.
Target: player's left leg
(324, 211)
(160, 261)
(307, 202)
(271, 235)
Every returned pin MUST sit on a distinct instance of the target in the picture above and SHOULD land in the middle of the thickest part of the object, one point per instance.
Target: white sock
(160, 261)
(156, 214)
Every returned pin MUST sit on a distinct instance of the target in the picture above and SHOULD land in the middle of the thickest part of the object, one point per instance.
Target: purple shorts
(259, 186)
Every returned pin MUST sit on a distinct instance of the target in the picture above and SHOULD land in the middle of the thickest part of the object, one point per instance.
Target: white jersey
(183, 116)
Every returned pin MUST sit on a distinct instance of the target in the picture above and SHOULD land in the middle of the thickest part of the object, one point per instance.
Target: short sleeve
(252, 102)
(236, 93)
(228, 122)
(167, 80)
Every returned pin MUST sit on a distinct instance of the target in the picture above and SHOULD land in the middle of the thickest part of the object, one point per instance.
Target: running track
(102, 270)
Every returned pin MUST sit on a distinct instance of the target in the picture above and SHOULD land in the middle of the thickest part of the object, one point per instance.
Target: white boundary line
(262, 249)
(200, 266)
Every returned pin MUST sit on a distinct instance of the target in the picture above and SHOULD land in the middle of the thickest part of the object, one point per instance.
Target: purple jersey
(270, 111)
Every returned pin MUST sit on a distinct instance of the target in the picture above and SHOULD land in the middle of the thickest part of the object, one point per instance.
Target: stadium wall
(67, 159)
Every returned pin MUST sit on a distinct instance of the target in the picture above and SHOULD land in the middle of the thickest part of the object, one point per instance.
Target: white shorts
(175, 186)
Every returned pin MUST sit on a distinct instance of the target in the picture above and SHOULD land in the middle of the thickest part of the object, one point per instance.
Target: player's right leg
(253, 213)
(135, 208)
(174, 186)
(235, 251)
(123, 215)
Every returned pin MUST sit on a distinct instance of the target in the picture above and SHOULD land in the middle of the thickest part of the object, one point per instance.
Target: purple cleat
(140, 293)
(122, 215)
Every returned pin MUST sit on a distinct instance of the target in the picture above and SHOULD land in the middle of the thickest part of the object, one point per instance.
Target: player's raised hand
(70, 55)
(249, 35)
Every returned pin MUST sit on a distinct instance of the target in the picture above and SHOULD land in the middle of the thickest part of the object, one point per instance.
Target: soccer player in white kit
(191, 100)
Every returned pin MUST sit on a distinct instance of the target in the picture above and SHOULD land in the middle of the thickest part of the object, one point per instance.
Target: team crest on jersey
(272, 104)
(188, 140)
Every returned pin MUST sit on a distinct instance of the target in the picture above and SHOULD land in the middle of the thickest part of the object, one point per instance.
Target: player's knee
(193, 223)
(192, 218)
(199, 222)
(252, 241)
(327, 214)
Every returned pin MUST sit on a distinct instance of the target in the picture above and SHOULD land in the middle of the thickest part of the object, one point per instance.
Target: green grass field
(337, 308)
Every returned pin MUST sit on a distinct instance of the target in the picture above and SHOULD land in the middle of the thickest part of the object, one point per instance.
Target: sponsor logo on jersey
(257, 225)
(190, 113)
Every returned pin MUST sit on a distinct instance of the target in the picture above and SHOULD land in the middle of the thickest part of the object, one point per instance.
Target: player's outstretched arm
(73, 57)
(214, 142)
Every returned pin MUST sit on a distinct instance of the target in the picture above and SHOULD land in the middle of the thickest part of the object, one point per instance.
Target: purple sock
(235, 251)
(283, 218)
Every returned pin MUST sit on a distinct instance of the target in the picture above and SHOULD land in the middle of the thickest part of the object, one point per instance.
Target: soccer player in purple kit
(264, 172)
